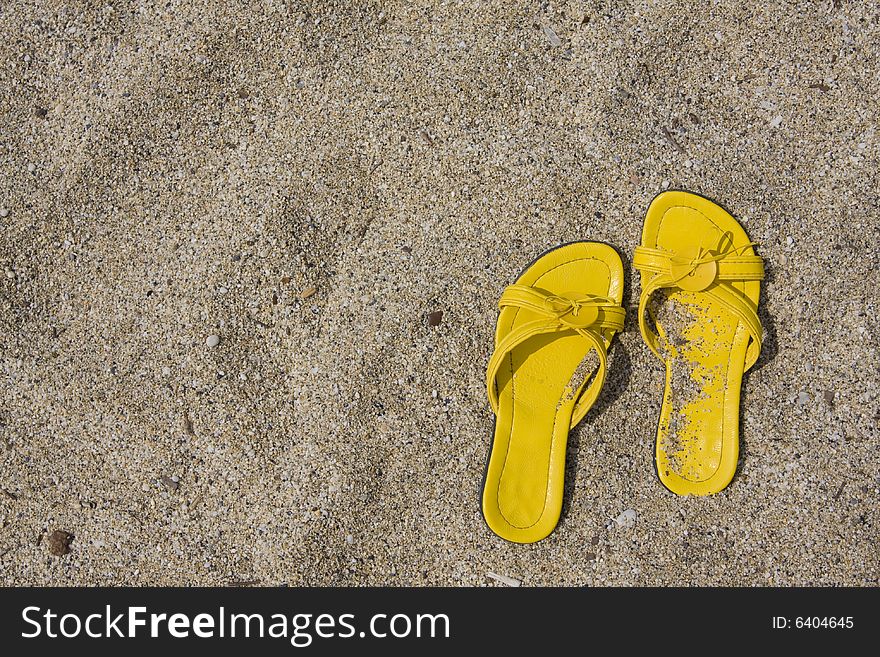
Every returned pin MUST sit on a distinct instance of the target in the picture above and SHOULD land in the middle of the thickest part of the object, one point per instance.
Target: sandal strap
(589, 316)
(610, 314)
(730, 268)
(714, 270)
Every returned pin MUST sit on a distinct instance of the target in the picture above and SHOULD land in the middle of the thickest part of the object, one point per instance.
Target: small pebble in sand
(626, 519)
(435, 318)
(10, 274)
(32, 167)
(803, 398)
(828, 395)
(4, 212)
(212, 340)
(59, 543)
(171, 483)
(308, 292)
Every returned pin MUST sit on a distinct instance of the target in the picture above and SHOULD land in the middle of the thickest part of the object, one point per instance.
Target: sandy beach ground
(223, 226)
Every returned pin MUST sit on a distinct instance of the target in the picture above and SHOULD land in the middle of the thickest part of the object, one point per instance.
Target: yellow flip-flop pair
(700, 285)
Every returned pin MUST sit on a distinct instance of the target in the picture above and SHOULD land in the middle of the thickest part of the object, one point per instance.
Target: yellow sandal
(707, 277)
(554, 329)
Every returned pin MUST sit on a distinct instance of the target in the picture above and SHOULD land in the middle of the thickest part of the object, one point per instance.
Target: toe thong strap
(709, 271)
(594, 318)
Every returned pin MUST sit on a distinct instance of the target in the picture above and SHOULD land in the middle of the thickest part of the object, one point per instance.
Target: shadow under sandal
(553, 332)
(700, 285)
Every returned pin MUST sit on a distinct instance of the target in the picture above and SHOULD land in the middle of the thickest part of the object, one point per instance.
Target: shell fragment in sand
(504, 579)
(551, 35)
(626, 519)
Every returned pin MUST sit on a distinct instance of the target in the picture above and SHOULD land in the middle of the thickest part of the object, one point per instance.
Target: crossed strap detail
(708, 271)
(590, 316)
